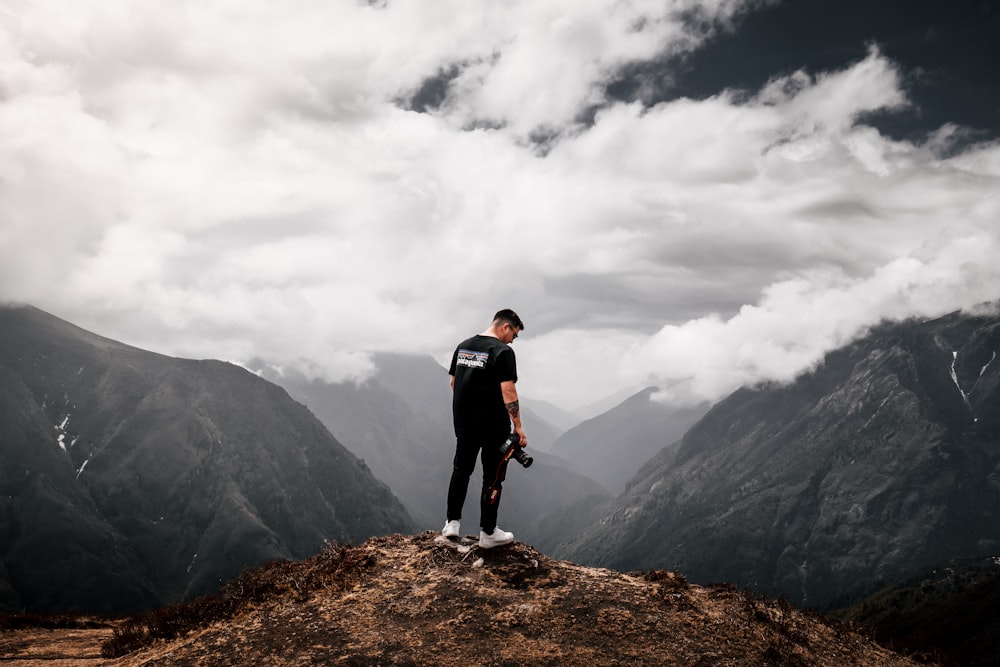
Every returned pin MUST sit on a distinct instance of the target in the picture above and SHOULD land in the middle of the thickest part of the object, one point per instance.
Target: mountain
(132, 479)
(950, 612)
(611, 447)
(422, 600)
(884, 458)
(602, 405)
(561, 420)
(541, 431)
(399, 421)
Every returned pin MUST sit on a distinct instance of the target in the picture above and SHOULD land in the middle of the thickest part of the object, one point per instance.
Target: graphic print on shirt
(472, 359)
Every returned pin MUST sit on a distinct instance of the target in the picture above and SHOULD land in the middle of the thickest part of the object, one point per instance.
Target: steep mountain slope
(611, 447)
(132, 479)
(57, 550)
(422, 600)
(399, 422)
(951, 611)
(882, 459)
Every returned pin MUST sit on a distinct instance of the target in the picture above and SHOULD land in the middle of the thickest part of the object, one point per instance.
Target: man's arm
(509, 391)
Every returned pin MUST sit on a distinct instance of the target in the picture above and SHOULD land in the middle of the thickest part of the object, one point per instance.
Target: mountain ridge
(132, 479)
(877, 461)
(612, 446)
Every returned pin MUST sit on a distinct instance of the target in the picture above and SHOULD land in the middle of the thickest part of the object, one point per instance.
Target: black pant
(467, 447)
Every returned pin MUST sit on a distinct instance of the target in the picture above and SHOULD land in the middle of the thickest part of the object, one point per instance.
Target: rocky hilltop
(423, 600)
(130, 479)
(883, 459)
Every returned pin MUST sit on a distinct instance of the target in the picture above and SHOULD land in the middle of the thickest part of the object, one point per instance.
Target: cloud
(797, 321)
(240, 180)
(546, 59)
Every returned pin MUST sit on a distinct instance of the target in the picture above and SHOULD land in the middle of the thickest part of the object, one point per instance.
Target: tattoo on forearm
(514, 408)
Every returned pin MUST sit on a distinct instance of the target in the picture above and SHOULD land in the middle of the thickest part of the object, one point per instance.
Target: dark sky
(948, 52)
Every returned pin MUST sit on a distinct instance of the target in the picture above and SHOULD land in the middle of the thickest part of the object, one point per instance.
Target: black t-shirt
(479, 365)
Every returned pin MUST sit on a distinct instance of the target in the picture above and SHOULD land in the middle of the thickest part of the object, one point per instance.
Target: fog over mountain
(132, 479)
(884, 458)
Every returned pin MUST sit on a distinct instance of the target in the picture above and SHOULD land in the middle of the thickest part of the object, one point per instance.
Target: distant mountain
(399, 421)
(611, 447)
(542, 434)
(602, 405)
(131, 479)
(561, 420)
(884, 458)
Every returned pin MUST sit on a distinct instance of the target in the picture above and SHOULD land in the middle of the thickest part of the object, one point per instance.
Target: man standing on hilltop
(484, 404)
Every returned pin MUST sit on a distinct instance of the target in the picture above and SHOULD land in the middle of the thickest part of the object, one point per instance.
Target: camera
(518, 454)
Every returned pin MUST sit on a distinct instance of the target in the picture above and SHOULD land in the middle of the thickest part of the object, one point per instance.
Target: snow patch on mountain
(61, 429)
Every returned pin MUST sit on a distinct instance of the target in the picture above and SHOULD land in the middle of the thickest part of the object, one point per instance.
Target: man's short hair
(510, 317)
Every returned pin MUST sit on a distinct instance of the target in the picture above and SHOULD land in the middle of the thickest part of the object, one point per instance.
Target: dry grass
(422, 600)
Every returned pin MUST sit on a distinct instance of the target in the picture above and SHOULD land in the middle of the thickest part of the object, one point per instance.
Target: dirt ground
(424, 600)
(52, 647)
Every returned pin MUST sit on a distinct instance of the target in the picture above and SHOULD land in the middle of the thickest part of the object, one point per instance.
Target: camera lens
(523, 458)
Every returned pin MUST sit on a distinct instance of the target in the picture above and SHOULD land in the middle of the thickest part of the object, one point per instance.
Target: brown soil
(423, 600)
(67, 644)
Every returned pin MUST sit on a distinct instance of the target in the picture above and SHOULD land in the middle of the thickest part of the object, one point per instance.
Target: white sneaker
(451, 529)
(497, 538)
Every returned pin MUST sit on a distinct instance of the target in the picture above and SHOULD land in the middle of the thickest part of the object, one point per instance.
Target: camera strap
(493, 491)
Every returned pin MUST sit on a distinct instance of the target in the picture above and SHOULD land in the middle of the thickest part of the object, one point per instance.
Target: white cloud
(242, 179)
(798, 320)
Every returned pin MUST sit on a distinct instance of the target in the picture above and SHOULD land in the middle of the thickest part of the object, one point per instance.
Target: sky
(692, 194)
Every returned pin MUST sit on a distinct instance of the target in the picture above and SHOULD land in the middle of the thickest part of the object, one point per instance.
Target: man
(484, 404)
